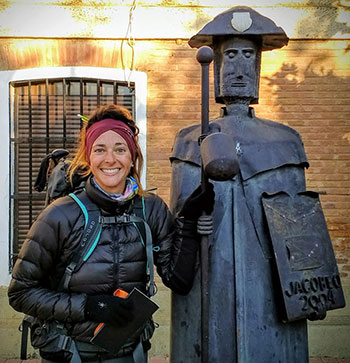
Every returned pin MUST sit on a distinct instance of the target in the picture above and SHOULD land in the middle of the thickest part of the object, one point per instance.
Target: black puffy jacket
(118, 261)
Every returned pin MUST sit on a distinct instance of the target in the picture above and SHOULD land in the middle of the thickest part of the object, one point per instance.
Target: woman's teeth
(110, 171)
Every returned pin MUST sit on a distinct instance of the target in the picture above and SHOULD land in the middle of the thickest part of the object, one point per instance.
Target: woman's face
(110, 162)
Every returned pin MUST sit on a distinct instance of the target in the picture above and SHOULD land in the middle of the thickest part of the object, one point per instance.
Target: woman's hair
(80, 164)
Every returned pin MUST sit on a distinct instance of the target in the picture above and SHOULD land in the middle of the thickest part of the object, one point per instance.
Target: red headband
(99, 127)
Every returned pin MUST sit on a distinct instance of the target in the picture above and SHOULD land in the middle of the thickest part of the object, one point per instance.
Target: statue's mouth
(238, 84)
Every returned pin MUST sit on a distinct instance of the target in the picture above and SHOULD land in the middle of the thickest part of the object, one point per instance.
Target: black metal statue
(269, 267)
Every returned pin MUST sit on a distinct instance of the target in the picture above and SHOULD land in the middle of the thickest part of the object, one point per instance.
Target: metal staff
(205, 55)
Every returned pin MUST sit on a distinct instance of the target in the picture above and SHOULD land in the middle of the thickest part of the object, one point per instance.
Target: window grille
(44, 119)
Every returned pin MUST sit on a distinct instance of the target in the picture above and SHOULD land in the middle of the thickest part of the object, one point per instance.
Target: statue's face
(239, 70)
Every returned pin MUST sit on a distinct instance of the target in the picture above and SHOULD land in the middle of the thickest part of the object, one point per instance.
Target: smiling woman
(136, 229)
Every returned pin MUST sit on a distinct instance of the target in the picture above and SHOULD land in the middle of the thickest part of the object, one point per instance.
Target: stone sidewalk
(166, 360)
(329, 360)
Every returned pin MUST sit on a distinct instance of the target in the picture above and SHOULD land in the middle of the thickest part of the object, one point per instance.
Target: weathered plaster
(155, 19)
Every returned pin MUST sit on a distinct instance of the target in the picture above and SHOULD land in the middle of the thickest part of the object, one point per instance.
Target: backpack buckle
(125, 218)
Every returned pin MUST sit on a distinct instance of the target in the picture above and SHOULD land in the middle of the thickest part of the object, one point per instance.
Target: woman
(109, 153)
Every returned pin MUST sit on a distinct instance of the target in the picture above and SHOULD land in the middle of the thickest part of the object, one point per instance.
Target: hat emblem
(241, 21)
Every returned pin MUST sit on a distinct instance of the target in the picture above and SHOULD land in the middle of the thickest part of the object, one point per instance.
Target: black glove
(108, 309)
(201, 199)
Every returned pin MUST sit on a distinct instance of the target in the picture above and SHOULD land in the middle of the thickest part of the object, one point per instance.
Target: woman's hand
(200, 200)
(108, 309)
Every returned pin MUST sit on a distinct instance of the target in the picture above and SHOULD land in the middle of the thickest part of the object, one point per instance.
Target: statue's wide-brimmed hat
(241, 21)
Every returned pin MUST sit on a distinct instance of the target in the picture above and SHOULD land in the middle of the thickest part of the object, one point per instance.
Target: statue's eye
(231, 53)
(248, 53)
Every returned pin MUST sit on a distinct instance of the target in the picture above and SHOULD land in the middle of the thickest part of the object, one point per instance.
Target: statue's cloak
(245, 322)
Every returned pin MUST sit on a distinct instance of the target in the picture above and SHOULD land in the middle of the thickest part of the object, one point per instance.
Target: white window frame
(6, 77)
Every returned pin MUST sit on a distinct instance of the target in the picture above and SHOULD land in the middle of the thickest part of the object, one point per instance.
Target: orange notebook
(111, 337)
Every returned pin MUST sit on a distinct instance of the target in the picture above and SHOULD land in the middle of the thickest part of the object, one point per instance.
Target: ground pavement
(166, 360)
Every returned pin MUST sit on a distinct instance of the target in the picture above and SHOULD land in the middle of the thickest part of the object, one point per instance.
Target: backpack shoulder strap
(91, 235)
(139, 207)
(138, 212)
(140, 221)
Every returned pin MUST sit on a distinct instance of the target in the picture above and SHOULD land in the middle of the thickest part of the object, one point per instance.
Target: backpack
(53, 176)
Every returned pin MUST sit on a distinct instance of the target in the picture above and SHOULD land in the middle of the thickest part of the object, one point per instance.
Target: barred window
(45, 118)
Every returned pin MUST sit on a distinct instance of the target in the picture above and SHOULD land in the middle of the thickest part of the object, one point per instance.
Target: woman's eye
(231, 54)
(248, 53)
(99, 151)
(121, 150)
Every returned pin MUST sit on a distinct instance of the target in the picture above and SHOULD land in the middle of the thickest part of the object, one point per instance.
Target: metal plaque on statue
(303, 250)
